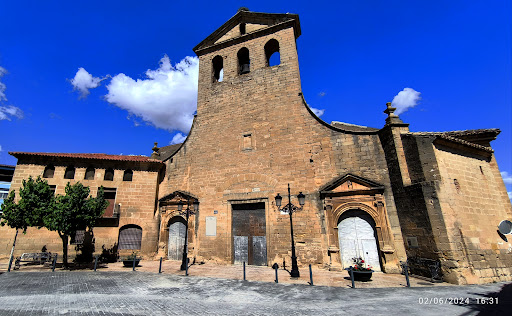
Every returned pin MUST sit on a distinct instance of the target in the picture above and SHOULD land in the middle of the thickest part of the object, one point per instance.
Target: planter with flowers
(361, 270)
(128, 261)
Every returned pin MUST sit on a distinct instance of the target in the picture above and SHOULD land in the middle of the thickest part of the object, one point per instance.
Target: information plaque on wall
(211, 225)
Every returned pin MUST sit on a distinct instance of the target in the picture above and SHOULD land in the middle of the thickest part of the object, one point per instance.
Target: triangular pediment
(351, 183)
(177, 196)
(255, 23)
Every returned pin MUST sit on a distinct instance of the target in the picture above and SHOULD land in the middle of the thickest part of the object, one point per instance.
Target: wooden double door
(176, 240)
(249, 234)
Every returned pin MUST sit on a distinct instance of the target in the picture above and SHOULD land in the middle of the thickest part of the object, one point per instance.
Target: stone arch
(218, 68)
(244, 61)
(175, 227)
(338, 212)
(271, 48)
(270, 181)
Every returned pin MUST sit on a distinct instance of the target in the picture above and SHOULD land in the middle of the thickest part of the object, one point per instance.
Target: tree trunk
(64, 250)
(12, 251)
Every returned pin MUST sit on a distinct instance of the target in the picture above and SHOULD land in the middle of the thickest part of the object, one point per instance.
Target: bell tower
(249, 62)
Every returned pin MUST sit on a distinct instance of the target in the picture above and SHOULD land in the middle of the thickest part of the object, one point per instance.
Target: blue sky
(354, 57)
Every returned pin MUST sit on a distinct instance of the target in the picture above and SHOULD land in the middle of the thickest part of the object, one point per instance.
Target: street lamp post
(187, 213)
(290, 209)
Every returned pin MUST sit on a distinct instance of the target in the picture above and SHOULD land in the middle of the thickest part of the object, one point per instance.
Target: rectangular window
(247, 142)
(3, 195)
(110, 196)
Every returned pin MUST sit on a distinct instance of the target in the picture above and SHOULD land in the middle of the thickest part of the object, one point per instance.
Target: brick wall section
(289, 145)
(137, 199)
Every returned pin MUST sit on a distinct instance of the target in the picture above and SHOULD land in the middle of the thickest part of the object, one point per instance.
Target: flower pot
(362, 275)
(129, 262)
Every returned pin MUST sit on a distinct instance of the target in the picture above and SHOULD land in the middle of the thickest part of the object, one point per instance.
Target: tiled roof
(88, 156)
(454, 136)
(167, 151)
(460, 133)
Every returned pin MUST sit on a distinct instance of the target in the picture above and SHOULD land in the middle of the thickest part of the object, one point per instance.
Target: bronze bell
(245, 69)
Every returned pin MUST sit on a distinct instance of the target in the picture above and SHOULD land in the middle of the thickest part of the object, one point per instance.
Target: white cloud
(3, 71)
(317, 111)
(510, 195)
(84, 81)
(167, 98)
(0, 147)
(507, 178)
(10, 110)
(178, 139)
(405, 99)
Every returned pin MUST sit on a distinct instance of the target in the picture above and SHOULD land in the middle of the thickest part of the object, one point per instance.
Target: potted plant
(128, 261)
(361, 270)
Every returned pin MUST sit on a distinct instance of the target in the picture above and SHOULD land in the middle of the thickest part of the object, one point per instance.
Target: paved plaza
(149, 293)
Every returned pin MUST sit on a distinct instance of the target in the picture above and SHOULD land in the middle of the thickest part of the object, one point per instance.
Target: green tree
(74, 211)
(36, 198)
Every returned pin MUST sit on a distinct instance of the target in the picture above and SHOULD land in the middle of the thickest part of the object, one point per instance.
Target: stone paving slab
(137, 293)
(262, 274)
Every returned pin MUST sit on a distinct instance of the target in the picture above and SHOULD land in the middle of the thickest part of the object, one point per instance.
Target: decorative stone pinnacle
(392, 117)
(390, 111)
(155, 149)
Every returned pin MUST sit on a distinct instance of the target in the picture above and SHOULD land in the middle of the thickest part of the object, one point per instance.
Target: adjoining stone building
(387, 195)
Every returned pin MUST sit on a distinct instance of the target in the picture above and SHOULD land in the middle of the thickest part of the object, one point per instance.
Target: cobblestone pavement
(145, 293)
(254, 273)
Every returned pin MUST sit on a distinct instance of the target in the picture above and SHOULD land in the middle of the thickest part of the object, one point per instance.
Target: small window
(3, 194)
(272, 53)
(242, 29)
(218, 68)
(49, 171)
(128, 175)
(244, 62)
(109, 175)
(109, 195)
(247, 141)
(69, 173)
(89, 173)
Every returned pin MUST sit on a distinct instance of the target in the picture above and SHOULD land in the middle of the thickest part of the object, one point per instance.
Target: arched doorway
(357, 238)
(176, 241)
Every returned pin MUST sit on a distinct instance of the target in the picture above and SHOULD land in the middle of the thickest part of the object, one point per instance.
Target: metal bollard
(186, 269)
(134, 262)
(310, 276)
(244, 272)
(160, 268)
(10, 264)
(406, 268)
(95, 263)
(54, 262)
(276, 280)
(352, 278)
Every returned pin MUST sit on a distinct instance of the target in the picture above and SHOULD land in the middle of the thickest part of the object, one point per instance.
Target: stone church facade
(387, 195)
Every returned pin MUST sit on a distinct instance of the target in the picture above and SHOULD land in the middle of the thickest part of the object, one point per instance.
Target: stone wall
(253, 134)
(136, 199)
(473, 200)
